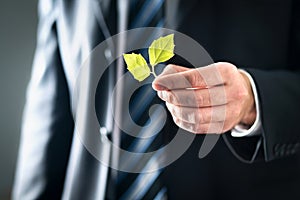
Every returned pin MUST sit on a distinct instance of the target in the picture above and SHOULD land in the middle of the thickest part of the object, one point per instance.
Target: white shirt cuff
(241, 130)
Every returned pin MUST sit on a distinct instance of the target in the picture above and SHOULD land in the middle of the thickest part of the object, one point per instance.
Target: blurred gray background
(18, 21)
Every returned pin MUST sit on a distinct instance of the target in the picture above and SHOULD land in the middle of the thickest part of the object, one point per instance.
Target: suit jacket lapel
(106, 15)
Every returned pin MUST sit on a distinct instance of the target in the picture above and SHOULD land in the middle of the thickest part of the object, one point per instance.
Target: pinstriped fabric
(143, 13)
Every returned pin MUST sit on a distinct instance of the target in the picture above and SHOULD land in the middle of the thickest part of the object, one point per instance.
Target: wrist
(249, 116)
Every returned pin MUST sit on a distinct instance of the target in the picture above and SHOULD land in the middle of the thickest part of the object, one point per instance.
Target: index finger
(204, 77)
(171, 69)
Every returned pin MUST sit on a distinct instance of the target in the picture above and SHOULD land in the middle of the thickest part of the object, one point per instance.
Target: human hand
(211, 99)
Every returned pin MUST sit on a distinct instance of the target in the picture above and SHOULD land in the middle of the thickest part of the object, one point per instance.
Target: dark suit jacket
(260, 36)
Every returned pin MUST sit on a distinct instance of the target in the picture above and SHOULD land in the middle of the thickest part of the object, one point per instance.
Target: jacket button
(103, 133)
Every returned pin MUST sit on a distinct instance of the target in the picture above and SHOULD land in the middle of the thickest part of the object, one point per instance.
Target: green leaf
(137, 66)
(161, 49)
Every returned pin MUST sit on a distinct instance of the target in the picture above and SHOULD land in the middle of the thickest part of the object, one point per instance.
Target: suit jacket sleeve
(279, 96)
(47, 122)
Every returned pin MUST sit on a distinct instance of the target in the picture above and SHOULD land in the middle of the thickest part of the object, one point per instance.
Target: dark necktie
(142, 13)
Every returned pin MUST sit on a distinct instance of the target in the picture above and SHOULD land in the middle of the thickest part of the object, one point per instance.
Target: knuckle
(207, 101)
(200, 128)
(191, 78)
(169, 97)
(195, 129)
(170, 108)
(186, 115)
(231, 67)
(227, 69)
(176, 121)
(200, 100)
(205, 98)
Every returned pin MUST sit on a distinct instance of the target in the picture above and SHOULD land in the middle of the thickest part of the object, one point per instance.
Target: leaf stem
(153, 71)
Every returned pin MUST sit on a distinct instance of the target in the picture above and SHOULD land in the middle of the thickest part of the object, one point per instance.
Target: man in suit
(260, 37)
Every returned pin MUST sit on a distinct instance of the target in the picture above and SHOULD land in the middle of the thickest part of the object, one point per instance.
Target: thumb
(169, 69)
